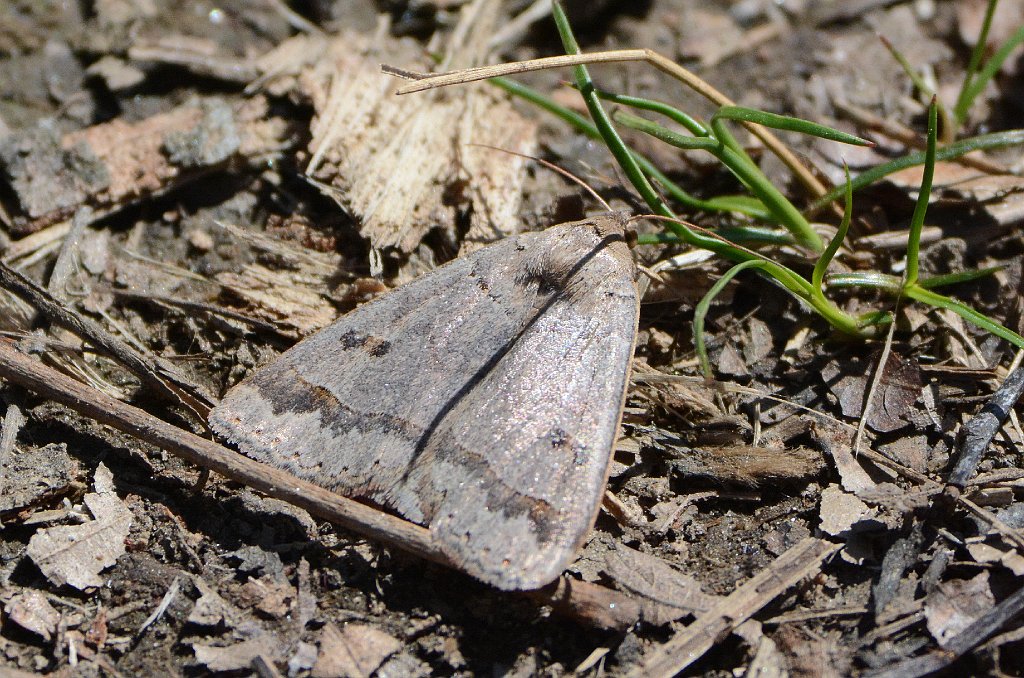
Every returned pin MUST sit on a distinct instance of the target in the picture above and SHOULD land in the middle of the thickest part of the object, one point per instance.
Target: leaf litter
(221, 574)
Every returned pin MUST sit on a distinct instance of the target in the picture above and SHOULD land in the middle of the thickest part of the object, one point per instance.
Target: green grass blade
(744, 235)
(950, 152)
(790, 124)
(987, 72)
(746, 171)
(977, 54)
(821, 265)
(604, 124)
(688, 143)
(692, 125)
(957, 278)
(750, 206)
(921, 208)
(964, 311)
(949, 125)
(584, 126)
(882, 281)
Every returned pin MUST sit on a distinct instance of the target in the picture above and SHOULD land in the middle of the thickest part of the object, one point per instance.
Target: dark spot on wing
(351, 339)
(375, 346)
(559, 437)
(378, 347)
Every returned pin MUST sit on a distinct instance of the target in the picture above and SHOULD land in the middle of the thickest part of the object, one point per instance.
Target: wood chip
(687, 647)
(954, 605)
(405, 165)
(111, 165)
(238, 656)
(211, 609)
(36, 478)
(840, 511)
(31, 611)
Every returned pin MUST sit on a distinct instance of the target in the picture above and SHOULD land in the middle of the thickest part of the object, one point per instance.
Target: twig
(424, 81)
(876, 379)
(91, 331)
(47, 382)
(520, 23)
(67, 257)
(165, 602)
(1005, 531)
(799, 616)
(681, 651)
(40, 240)
(296, 20)
(977, 433)
(264, 667)
(256, 324)
(973, 635)
(589, 603)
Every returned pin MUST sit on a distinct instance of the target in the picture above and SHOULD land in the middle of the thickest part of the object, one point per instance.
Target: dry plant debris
(406, 166)
(163, 175)
(112, 165)
(76, 554)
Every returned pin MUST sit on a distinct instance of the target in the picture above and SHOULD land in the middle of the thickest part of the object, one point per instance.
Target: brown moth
(481, 400)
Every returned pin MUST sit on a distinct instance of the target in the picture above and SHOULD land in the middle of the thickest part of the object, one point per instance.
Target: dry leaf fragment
(31, 611)
(893, 400)
(840, 511)
(1007, 557)
(405, 165)
(76, 554)
(271, 598)
(837, 443)
(238, 656)
(953, 605)
(997, 200)
(664, 593)
(356, 651)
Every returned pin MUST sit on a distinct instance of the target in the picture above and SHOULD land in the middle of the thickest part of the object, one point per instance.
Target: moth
(481, 400)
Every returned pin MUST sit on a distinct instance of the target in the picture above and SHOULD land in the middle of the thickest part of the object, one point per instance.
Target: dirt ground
(187, 189)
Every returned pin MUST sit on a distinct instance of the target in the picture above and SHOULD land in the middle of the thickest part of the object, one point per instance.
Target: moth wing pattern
(539, 446)
(481, 400)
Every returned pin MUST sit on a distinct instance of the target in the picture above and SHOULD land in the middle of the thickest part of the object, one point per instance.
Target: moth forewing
(481, 400)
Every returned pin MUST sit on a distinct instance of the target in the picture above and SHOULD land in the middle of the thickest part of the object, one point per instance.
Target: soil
(214, 220)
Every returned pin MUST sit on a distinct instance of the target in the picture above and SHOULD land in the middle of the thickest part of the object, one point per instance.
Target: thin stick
(681, 651)
(425, 81)
(12, 423)
(979, 630)
(19, 368)
(977, 434)
(590, 603)
(876, 379)
(92, 332)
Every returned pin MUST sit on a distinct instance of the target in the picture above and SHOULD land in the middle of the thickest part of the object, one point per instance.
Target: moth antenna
(555, 168)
